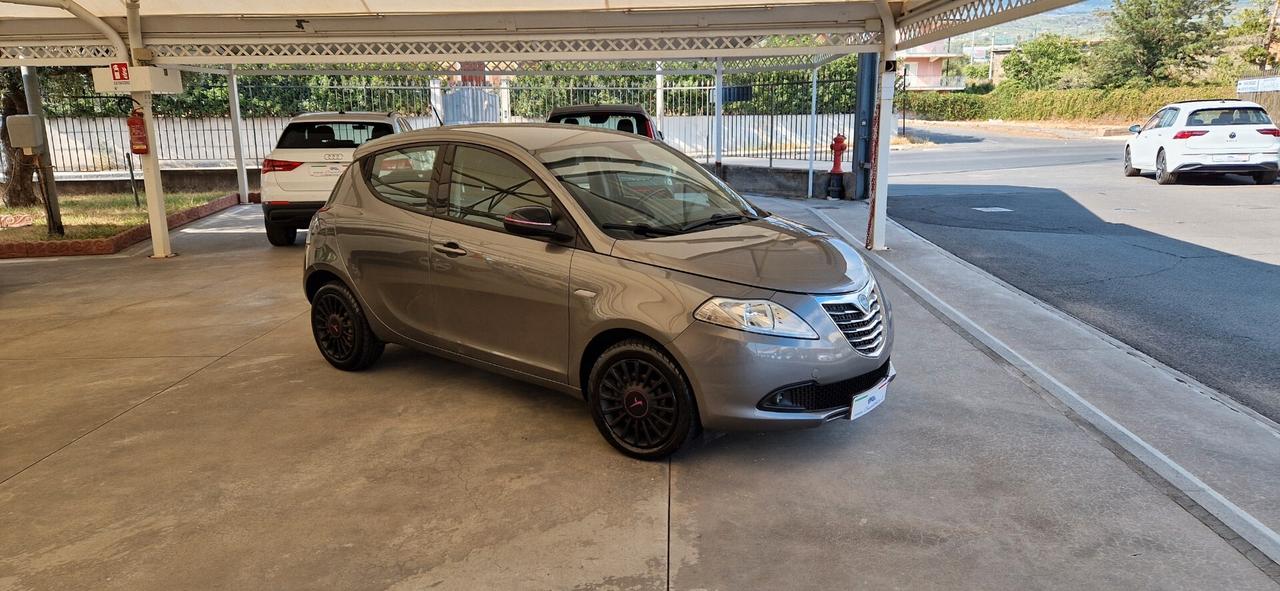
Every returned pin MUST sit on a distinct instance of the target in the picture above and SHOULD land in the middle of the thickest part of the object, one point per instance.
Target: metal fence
(770, 120)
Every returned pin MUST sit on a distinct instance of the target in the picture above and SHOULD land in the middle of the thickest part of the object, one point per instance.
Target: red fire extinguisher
(138, 133)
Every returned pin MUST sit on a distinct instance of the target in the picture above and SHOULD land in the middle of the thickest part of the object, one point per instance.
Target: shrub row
(1125, 104)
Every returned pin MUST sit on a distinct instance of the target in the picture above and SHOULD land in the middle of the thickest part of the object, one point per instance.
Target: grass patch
(96, 216)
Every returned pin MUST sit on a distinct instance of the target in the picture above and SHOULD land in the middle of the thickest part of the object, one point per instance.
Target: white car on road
(1205, 137)
(313, 150)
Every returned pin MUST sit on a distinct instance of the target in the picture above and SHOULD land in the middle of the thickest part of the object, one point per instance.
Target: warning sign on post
(119, 72)
(120, 78)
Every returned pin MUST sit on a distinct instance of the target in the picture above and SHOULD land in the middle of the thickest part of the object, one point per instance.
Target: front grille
(811, 396)
(864, 329)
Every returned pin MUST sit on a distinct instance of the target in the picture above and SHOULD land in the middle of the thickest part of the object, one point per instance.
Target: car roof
(533, 137)
(597, 108)
(1214, 103)
(344, 116)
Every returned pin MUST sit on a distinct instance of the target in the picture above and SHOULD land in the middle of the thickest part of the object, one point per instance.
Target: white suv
(313, 150)
(1210, 137)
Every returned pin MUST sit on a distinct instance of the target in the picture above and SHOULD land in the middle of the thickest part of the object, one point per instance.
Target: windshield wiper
(642, 229)
(717, 219)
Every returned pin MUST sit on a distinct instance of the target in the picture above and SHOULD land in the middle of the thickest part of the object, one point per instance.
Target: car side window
(404, 176)
(485, 186)
(1154, 121)
(1170, 115)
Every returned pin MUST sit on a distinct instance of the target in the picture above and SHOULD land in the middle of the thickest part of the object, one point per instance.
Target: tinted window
(1170, 115)
(1228, 116)
(626, 186)
(484, 186)
(331, 134)
(615, 121)
(404, 176)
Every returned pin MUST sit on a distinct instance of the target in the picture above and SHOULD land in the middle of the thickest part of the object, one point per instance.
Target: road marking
(990, 209)
(1238, 520)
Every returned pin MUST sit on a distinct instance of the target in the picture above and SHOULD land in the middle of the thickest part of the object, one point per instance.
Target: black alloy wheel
(342, 334)
(641, 401)
(1163, 176)
(1129, 170)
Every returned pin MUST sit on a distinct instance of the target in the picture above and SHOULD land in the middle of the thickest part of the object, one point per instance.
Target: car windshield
(1228, 116)
(640, 189)
(331, 134)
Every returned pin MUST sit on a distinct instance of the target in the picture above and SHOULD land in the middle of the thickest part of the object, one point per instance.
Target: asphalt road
(1188, 274)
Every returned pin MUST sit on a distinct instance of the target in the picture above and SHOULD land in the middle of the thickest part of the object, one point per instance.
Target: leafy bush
(1081, 104)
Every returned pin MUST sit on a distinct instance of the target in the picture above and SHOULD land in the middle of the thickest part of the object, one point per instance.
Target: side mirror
(534, 220)
(1135, 129)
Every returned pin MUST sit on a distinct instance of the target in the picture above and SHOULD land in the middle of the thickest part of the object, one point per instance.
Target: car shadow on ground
(1202, 311)
(940, 137)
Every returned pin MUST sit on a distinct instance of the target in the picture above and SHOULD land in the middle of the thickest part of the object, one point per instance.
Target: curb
(113, 244)
(1239, 521)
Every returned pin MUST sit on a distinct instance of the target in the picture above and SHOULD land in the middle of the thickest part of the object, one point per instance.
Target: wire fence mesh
(88, 133)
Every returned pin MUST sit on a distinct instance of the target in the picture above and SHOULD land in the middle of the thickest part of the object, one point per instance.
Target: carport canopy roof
(772, 34)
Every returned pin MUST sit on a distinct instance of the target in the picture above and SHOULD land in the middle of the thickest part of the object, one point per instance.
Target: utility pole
(44, 164)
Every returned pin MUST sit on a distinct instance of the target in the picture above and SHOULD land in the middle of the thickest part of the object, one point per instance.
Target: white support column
(660, 97)
(504, 101)
(813, 126)
(151, 182)
(237, 146)
(883, 130)
(437, 101)
(718, 131)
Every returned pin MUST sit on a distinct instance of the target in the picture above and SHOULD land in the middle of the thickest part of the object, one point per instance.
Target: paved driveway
(168, 425)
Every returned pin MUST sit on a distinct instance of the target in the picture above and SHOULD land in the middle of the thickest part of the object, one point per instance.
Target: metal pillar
(504, 101)
(237, 147)
(151, 182)
(437, 100)
(865, 111)
(883, 123)
(718, 133)
(44, 164)
(660, 97)
(813, 126)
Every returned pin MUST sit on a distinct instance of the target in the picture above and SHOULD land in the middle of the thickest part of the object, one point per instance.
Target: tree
(18, 190)
(1159, 41)
(1041, 62)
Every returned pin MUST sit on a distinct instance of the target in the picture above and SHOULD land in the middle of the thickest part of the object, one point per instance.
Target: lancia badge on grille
(862, 302)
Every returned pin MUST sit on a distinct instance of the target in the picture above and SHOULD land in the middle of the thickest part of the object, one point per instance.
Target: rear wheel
(1265, 178)
(1163, 176)
(280, 235)
(341, 331)
(1129, 170)
(640, 400)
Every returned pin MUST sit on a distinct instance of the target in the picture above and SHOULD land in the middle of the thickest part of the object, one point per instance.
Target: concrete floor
(169, 424)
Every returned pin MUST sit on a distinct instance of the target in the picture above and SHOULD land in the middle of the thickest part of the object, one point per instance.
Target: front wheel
(1266, 178)
(641, 401)
(1129, 170)
(341, 331)
(1163, 176)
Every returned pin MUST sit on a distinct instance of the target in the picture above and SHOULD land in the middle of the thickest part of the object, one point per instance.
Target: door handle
(450, 249)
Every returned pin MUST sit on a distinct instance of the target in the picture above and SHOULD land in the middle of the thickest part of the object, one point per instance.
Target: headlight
(759, 316)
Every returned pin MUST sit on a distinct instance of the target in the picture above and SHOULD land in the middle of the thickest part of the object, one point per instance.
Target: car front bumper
(732, 372)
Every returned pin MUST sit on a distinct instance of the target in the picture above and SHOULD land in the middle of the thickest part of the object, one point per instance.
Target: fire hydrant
(835, 180)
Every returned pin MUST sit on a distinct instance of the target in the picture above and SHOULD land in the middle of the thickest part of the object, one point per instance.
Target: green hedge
(1084, 104)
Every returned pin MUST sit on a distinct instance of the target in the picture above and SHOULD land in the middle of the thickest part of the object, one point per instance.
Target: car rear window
(331, 134)
(618, 121)
(1228, 116)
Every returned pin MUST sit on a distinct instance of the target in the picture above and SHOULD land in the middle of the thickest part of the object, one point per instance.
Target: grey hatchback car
(602, 264)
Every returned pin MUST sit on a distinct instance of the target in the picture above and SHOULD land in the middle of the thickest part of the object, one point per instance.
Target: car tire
(1129, 170)
(1265, 178)
(1163, 176)
(641, 401)
(340, 329)
(281, 236)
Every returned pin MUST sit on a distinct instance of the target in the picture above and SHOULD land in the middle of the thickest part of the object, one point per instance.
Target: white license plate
(867, 401)
(327, 169)
(1231, 158)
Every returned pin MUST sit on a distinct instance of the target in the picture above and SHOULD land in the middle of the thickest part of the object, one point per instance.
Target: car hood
(772, 253)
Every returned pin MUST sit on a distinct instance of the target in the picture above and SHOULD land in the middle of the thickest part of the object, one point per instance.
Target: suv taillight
(269, 165)
(1188, 133)
(1271, 131)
